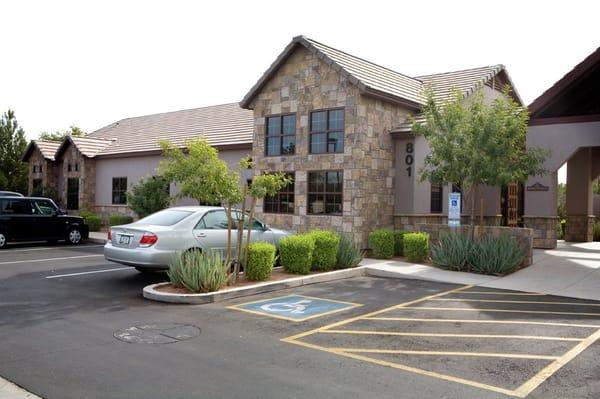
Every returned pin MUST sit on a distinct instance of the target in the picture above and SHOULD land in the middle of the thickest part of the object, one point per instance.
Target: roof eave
(371, 92)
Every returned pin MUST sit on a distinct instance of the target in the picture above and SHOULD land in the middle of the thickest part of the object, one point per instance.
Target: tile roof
(221, 125)
(47, 148)
(377, 80)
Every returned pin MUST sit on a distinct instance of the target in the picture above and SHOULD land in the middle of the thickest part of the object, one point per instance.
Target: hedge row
(387, 243)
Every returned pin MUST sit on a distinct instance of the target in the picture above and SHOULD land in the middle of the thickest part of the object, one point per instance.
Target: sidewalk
(9, 390)
(98, 237)
(571, 270)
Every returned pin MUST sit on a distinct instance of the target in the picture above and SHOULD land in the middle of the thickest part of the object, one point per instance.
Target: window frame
(72, 198)
(281, 135)
(439, 207)
(285, 191)
(324, 193)
(327, 130)
(120, 191)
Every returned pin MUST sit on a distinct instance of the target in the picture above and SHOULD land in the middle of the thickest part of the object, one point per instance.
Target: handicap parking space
(506, 342)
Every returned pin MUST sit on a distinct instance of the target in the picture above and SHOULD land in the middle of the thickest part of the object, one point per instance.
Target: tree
(203, 176)
(477, 143)
(149, 196)
(13, 171)
(60, 136)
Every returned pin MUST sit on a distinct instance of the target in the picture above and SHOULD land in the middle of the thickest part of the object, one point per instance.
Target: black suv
(38, 219)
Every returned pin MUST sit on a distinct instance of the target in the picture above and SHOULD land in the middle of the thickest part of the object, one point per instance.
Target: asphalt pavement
(73, 325)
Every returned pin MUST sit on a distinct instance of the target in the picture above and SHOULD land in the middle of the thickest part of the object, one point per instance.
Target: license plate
(124, 239)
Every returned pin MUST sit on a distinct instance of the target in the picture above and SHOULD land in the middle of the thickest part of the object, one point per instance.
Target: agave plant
(496, 255)
(452, 252)
(349, 253)
(199, 271)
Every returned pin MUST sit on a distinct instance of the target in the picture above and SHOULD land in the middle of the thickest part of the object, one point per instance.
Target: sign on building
(454, 209)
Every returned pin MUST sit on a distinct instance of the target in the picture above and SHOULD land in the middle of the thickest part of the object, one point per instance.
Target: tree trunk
(229, 227)
(240, 234)
(472, 223)
(250, 217)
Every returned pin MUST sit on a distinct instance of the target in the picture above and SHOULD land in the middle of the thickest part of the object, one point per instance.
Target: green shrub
(416, 246)
(93, 222)
(597, 231)
(85, 214)
(326, 248)
(496, 255)
(114, 220)
(399, 242)
(381, 242)
(261, 258)
(452, 251)
(349, 253)
(149, 196)
(199, 271)
(296, 253)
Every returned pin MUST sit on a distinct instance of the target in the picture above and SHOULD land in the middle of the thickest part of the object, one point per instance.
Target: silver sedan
(152, 242)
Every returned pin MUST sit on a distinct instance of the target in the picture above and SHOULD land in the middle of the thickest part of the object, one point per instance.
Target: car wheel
(74, 236)
(3, 241)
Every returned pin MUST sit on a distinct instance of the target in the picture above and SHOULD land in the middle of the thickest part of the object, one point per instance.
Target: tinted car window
(43, 207)
(256, 225)
(213, 220)
(16, 206)
(166, 217)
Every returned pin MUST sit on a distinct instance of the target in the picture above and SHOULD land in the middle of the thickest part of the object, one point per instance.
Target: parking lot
(73, 325)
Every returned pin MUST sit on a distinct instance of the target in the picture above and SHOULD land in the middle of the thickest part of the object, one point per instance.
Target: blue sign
(454, 209)
(294, 307)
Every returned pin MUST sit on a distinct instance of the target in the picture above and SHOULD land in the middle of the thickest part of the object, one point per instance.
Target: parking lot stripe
(553, 367)
(50, 248)
(90, 272)
(498, 310)
(539, 323)
(501, 293)
(506, 301)
(49, 259)
(443, 353)
(450, 335)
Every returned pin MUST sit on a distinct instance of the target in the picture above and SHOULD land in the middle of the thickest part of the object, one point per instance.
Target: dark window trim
(327, 130)
(286, 192)
(324, 192)
(73, 198)
(119, 191)
(439, 206)
(280, 135)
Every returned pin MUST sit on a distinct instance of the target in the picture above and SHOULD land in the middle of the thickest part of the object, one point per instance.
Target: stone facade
(105, 211)
(580, 228)
(524, 236)
(544, 230)
(82, 168)
(409, 222)
(48, 175)
(304, 84)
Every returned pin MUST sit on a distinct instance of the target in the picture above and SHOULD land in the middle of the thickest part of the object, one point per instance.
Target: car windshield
(166, 218)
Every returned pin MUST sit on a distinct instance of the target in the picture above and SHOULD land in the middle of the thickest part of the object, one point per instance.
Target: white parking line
(49, 259)
(91, 272)
(47, 248)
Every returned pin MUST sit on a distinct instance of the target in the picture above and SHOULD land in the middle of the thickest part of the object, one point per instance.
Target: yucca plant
(597, 231)
(349, 253)
(496, 255)
(199, 271)
(452, 252)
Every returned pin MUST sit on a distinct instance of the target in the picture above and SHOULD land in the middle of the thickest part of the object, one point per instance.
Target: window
(40, 168)
(73, 193)
(119, 190)
(214, 220)
(16, 207)
(36, 187)
(69, 167)
(167, 217)
(281, 135)
(76, 167)
(43, 207)
(283, 201)
(437, 191)
(327, 131)
(325, 193)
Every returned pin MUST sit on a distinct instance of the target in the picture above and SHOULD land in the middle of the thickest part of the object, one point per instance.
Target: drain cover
(157, 333)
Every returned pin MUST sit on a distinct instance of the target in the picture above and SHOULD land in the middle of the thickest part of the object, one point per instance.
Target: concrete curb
(13, 391)
(151, 293)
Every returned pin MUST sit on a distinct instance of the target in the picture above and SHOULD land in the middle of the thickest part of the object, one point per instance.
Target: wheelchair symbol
(283, 307)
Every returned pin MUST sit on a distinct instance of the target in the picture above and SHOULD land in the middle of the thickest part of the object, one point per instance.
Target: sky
(91, 63)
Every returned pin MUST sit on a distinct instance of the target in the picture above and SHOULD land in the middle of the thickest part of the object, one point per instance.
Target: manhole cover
(157, 333)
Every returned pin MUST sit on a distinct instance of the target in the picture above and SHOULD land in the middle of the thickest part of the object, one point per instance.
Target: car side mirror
(264, 226)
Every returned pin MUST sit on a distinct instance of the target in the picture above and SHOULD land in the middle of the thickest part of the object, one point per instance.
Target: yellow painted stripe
(442, 353)
(538, 323)
(505, 301)
(553, 367)
(375, 313)
(498, 310)
(422, 334)
(501, 293)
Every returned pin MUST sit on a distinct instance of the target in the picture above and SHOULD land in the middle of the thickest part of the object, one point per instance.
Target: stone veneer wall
(580, 228)
(48, 175)
(544, 230)
(524, 236)
(104, 211)
(409, 222)
(86, 175)
(303, 84)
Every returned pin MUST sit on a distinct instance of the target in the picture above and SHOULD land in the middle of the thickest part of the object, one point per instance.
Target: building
(337, 123)
(94, 172)
(565, 119)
